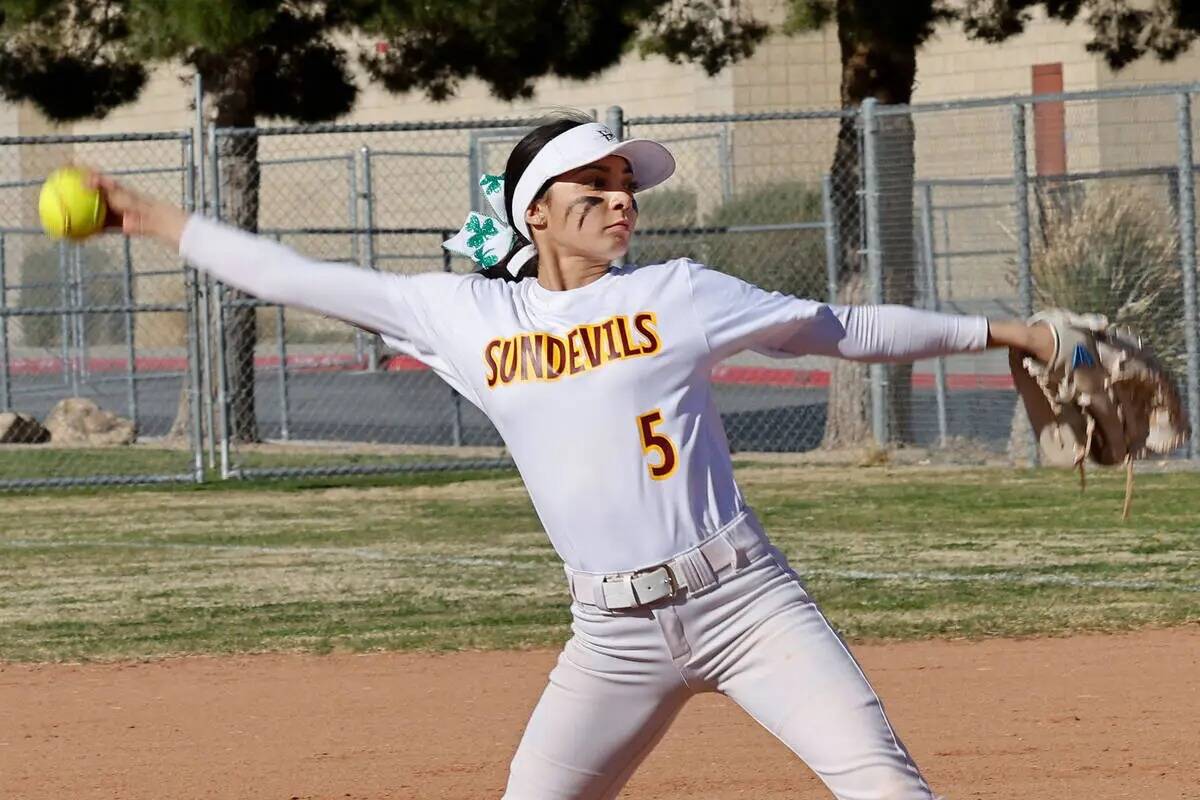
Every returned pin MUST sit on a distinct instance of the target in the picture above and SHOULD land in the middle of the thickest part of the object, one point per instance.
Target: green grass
(458, 560)
(43, 461)
(34, 462)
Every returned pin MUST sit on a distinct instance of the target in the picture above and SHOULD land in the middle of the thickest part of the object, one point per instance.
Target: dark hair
(518, 161)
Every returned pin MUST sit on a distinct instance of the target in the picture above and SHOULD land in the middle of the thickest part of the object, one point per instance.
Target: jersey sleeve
(736, 315)
(408, 311)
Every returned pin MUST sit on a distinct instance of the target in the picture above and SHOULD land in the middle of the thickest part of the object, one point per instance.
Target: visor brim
(650, 161)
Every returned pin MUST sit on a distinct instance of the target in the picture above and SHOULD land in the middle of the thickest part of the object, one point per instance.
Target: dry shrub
(1113, 251)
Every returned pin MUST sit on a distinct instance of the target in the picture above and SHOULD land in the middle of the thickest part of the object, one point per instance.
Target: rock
(77, 420)
(18, 428)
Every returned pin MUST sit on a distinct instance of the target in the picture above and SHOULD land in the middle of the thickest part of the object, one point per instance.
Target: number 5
(668, 454)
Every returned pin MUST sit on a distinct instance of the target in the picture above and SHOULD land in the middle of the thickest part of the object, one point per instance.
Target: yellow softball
(69, 207)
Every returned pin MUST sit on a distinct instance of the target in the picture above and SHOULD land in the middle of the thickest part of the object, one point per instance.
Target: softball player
(598, 379)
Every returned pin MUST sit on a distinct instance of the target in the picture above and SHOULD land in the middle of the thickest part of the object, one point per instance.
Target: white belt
(696, 570)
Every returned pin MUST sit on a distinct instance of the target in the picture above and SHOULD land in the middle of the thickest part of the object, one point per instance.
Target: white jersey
(602, 393)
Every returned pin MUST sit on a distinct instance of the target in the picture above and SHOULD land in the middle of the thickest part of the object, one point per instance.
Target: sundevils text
(548, 357)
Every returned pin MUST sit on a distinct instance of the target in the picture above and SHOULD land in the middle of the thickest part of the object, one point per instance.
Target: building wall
(799, 72)
(1095, 137)
(421, 182)
(951, 66)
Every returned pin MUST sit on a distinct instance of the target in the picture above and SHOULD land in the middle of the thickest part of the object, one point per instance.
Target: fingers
(118, 197)
(133, 213)
(114, 218)
(107, 184)
(94, 178)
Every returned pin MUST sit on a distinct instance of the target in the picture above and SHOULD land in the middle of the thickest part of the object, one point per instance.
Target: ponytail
(500, 269)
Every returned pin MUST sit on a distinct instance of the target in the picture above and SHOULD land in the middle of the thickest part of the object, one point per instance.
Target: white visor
(650, 161)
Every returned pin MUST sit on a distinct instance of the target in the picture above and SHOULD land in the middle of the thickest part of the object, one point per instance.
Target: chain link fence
(1018, 205)
(299, 394)
(97, 341)
(752, 196)
(996, 207)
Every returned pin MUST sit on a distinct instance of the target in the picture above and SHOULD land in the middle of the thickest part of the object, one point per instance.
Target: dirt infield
(1092, 717)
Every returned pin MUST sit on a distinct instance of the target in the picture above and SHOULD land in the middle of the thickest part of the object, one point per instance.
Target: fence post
(933, 304)
(281, 344)
(64, 301)
(222, 365)
(614, 118)
(874, 254)
(1187, 260)
(369, 245)
(455, 398)
(352, 208)
(197, 142)
(1024, 259)
(79, 319)
(5, 390)
(203, 283)
(131, 403)
(205, 336)
(191, 316)
(204, 287)
(223, 385)
(832, 255)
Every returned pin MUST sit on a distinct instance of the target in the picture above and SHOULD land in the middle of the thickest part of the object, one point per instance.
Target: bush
(666, 208)
(787, 261)
(42, 287)
(792, 262)
(1113, 252)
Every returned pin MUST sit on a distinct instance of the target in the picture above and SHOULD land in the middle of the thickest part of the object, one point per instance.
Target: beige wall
(799, 72)
(951, 66)
(1100, 135)
(1136, 132)
(652, 86)
(978, 142)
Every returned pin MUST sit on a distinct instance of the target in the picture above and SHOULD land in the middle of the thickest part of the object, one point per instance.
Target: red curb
(724, 374)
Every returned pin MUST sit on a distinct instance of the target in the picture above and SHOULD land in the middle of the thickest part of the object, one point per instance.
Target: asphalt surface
(417, 408)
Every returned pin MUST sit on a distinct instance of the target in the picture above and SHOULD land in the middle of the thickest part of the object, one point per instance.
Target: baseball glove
(1101, 397)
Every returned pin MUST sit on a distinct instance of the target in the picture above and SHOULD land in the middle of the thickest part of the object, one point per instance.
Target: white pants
(757, 638)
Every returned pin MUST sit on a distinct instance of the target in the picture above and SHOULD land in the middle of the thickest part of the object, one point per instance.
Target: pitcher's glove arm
(1101, 397)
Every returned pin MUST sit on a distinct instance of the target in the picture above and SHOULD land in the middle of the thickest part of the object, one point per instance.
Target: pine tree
(262, 60)
(879, 41)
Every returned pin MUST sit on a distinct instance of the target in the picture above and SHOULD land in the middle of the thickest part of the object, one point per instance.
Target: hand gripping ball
(69, 208)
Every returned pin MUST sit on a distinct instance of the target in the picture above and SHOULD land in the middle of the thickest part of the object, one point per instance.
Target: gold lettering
(556, 357)
(508, 361)
(490, 354)
(590, 337)
(627, 348)
(645, 323)
(542, 356)
(526, 357)
(538, 363)
(610, 339)
(574, 367)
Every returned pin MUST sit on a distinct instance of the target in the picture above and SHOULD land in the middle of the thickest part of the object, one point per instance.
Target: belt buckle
(672, 582)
